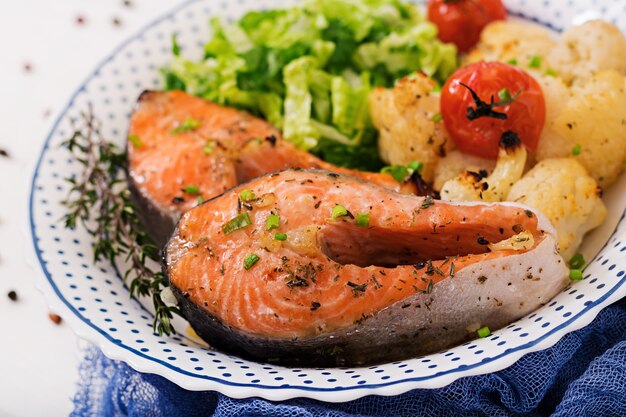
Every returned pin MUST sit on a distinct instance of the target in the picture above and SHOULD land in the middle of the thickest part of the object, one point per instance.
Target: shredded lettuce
(309, 69)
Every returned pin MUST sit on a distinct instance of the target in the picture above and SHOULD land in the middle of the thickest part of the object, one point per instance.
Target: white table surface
(48, 48)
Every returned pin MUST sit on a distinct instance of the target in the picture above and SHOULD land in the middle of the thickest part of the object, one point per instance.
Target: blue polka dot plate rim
(94, 301)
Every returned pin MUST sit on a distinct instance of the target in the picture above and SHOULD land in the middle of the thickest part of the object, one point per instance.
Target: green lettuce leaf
(309, 69)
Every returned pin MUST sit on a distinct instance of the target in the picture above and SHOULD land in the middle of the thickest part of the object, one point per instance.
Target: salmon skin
(183, 149)
(314, 268)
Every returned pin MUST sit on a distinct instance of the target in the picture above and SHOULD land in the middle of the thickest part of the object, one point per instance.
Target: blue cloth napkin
(584, 374)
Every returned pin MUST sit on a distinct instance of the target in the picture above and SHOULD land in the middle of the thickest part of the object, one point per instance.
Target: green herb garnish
(280, 236)
(238, 222)
(357, 289)
(175, 45)
(400, 172)
(208, 148)
(551, 72)
(437, 118)
(339, 211)
(250, 261)
(187, 125)
(504, 94)
(247, 196)
(135, 140)
(535, 62)
(483, 332)
(577, 261)
(272, 222)
(100, 203)
(575, 275)
(191, 189)
(363, 219)
(415, 166)
(576, 150)
(512, 61)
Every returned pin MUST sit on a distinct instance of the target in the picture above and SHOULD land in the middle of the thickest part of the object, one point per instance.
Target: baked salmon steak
(183, 149)
(314, 268)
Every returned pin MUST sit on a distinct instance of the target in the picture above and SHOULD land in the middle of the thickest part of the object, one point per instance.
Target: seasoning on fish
(418, 278)
(183, 150)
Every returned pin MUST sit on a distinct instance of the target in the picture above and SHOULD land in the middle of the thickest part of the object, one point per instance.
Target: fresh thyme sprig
(100, 201)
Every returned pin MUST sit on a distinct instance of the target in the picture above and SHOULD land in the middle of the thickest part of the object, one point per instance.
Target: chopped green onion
(192, 189)
(187, 125)
(483, 332)
(208, 148)
(398, 172)
(247, 195)
(200, 199)
(272, 222)
(135, 140)
(551, 72)
(575, 274)
(363, 219)
(238, 222)
(512, 61)
(577, 261)
(175, 45)
(535, 61)
(436, 89)
(280, 236)
(415, 166)
(401, 172)
(339, 211)
(437, 118)
(576, 150)
(250, 261)
(504, 94)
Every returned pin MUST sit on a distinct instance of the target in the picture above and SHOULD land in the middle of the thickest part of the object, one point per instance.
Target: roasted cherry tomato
(500, 97)
(461, 21)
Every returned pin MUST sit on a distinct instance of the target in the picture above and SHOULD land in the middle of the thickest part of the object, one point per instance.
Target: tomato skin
(461, 21)
(525, 116)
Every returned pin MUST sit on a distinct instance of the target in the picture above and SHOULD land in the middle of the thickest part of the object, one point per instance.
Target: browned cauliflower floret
(456, 162)
(587, 120)
(408, 120)
(562, 189)
(515, 41)
(476, 186)
(589, 48)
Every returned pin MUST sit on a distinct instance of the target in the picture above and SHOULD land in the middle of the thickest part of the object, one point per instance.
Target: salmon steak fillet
(182, 149)
(315, 268)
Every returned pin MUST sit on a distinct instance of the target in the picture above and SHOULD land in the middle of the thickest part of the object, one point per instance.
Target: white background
(38, 359)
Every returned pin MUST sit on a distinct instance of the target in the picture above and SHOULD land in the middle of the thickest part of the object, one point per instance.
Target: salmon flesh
(314, 268)
(183, 149)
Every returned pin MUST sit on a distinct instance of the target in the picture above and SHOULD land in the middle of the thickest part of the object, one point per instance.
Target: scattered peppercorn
(12, 295)
(56, 319)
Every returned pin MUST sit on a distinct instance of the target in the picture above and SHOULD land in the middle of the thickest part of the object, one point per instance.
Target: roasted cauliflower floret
(588, 120)
(589, 48)
(407, 119)
(456, 162)
(477, 186)
(562, 189)
(509, 40)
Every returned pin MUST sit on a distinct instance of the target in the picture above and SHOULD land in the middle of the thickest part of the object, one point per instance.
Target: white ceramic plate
(96, 304)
